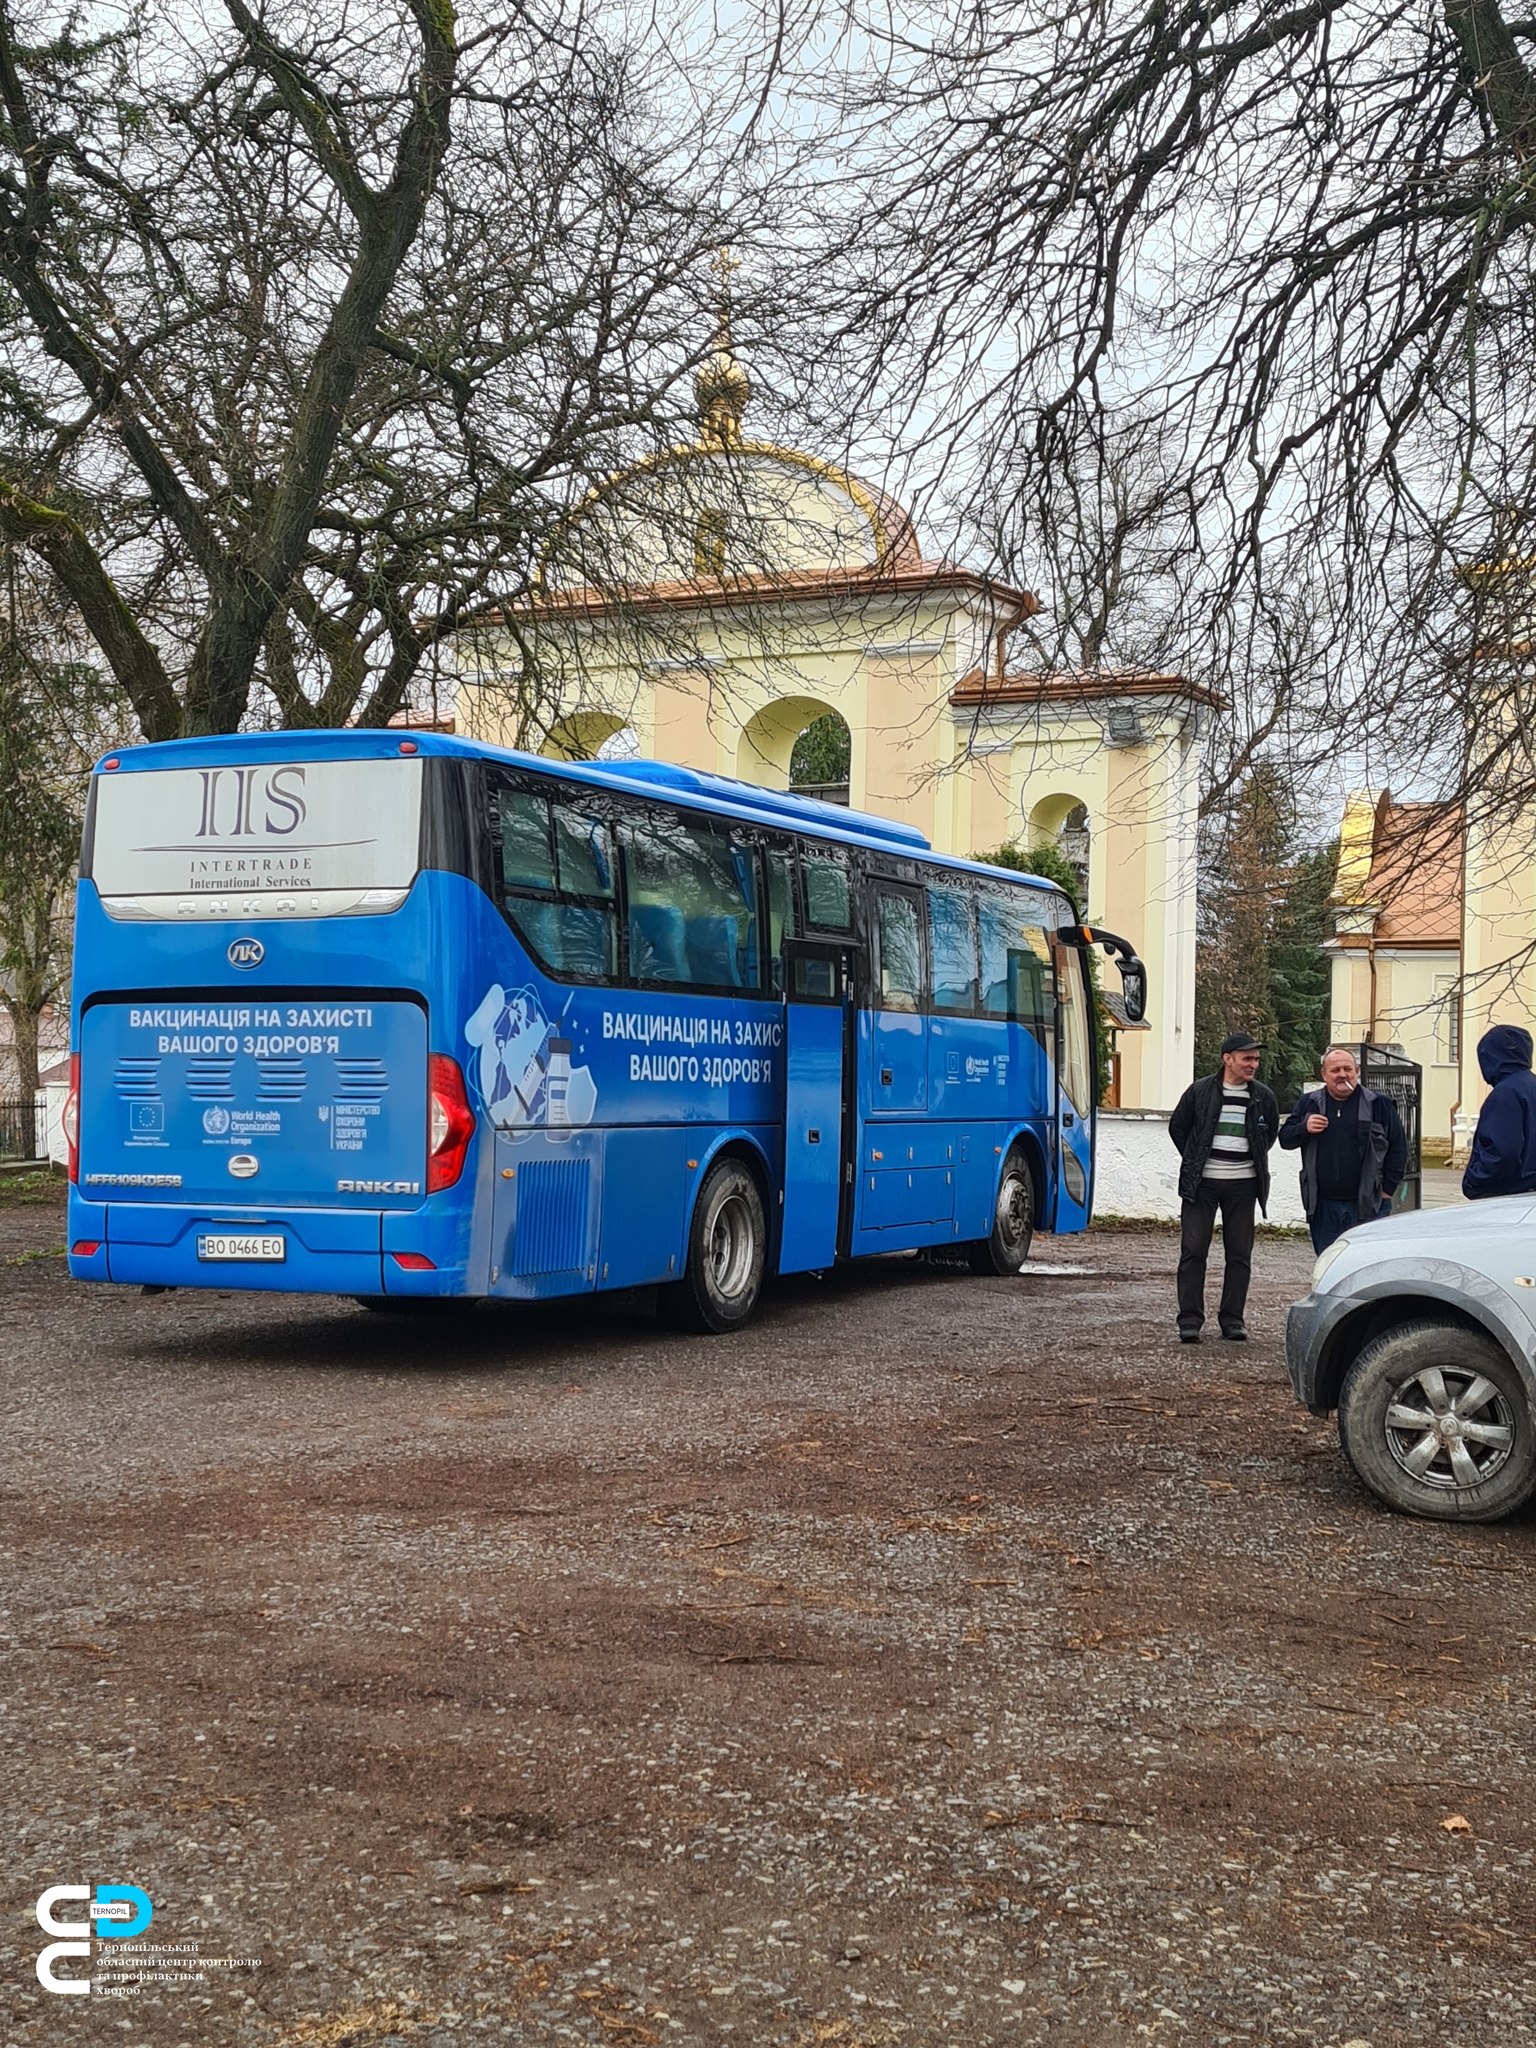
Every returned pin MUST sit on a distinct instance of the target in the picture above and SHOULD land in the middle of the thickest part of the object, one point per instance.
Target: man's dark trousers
(1238, 1201)
(1329, 1220)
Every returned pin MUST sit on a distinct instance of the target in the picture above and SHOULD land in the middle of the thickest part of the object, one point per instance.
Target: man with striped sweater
(1224, 1126)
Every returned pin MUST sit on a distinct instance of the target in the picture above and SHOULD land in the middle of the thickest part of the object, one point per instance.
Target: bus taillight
(452, 1122)
(71, 1117)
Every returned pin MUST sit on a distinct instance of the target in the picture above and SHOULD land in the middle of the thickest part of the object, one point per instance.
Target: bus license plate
(243, 1245)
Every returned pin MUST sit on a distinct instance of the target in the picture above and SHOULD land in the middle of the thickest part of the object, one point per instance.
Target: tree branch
(65, 548)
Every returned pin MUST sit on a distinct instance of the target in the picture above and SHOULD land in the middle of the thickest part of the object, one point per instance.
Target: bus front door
(1075, 1115)
(818, 1014)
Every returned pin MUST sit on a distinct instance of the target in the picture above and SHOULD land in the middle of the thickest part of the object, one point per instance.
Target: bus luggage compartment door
(818, 992)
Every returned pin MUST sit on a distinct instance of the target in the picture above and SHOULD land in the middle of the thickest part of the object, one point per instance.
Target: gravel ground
(943, 1660)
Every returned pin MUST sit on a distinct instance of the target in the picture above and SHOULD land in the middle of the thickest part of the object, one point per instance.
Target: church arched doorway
(797, 743)
(587, 736)
(1062, 821)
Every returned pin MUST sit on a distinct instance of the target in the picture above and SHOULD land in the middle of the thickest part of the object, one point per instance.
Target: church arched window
(709, 538)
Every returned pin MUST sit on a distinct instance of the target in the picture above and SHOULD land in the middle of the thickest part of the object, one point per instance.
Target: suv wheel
(1437, 1422)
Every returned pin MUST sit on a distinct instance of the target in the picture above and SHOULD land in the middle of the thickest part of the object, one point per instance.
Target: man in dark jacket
(1224, 1125)
(1503, 1158)
(1354, 1150)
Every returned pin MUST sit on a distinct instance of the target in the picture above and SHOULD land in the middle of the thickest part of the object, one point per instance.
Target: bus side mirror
(1133, 989)
(1133, 973)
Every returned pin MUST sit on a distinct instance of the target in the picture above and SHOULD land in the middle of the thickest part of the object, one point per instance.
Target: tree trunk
(24, 1036)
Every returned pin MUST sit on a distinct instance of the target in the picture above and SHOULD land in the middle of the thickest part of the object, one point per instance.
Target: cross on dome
(721, 385)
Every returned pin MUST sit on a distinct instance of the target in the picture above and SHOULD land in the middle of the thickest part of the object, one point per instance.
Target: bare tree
(55, 713)
(316, 320)
(1292, 243)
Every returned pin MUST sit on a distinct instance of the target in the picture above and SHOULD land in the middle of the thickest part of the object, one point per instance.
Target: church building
(711, 603)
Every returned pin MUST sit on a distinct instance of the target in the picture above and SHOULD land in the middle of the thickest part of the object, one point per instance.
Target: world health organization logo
(246, 952)
(216, 1121)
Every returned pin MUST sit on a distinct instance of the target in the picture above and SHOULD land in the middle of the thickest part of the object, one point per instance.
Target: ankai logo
(114, 1911)
(246, 952)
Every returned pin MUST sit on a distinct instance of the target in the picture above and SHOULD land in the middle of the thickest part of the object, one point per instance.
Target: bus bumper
(324, 1251)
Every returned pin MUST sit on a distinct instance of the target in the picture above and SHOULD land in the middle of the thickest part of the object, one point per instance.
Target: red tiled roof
(1416, 874)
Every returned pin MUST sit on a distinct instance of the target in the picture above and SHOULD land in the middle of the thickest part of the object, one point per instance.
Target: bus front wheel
(1013, 1221)
(727, 1252)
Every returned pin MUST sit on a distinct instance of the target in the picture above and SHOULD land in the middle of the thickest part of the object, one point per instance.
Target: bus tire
(727, 1253)
(1003, 1253)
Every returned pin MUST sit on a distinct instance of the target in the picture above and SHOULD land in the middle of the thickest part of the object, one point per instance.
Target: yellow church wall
(983, 810)
(1408, 1008)
(1350, 997)
(905, 709)
(1412, 1014)
(1498, 934)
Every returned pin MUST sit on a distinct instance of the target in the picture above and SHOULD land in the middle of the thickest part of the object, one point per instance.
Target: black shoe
(1189, 1336)
(1237, 1336)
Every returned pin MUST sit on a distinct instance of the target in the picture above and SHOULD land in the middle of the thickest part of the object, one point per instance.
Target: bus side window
(527, 860)
(692, 904)
(826, 892)
(952, 944)
(901, 952)
(782, 921)
(1016, 977)
(557, 882)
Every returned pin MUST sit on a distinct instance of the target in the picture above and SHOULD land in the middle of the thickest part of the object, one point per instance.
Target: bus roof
(693, 788)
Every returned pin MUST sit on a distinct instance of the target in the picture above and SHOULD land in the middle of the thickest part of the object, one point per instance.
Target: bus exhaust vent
(550, 1235)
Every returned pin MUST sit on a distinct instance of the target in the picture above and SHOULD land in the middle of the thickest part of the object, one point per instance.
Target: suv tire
(1437, 1422)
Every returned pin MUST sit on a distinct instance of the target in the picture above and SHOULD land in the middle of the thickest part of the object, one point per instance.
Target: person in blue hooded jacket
(1503, 1158)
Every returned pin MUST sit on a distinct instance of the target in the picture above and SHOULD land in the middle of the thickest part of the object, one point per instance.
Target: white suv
(1421, 1331)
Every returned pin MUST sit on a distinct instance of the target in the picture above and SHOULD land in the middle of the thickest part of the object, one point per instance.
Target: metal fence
(23, 1130)
(1390, 1073)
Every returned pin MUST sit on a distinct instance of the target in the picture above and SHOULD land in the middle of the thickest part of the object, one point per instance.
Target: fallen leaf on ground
(1457, 1824)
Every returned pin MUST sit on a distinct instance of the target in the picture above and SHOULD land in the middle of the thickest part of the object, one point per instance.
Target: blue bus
(407, 1018)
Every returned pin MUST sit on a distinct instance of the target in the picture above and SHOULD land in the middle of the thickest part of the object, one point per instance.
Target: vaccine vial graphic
(557, 1082)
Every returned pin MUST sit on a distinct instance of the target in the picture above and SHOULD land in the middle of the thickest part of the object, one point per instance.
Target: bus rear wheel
(727, 1253)
(1003, 1253)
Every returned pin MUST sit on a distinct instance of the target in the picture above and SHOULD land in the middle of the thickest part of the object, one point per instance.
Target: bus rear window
(307, 838)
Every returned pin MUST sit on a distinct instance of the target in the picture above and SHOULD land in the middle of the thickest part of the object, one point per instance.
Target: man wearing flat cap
(1224, 1126)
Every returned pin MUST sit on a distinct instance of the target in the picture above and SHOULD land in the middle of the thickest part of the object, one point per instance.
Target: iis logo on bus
(113, 1911)
(246, 952)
